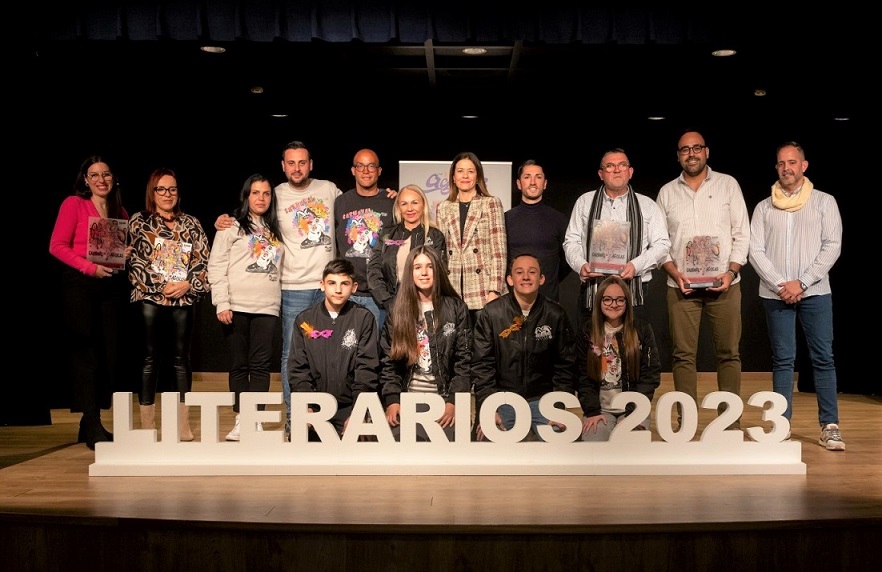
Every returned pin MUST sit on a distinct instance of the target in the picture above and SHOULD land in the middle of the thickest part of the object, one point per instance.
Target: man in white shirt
(616, 200)
(709, 227)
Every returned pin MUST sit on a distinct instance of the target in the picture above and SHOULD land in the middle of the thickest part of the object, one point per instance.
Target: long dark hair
(81, 187)
(406, 312)
(631, 352)
(270, 217)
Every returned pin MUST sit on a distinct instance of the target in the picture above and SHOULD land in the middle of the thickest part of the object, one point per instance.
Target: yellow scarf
(795, 201)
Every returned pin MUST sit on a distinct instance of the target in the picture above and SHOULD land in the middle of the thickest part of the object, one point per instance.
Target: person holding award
(168, 272)
(709, 227)
(615, 230)
(94, 293)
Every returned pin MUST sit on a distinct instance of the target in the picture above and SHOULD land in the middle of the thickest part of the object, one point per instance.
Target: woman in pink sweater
(89, 237)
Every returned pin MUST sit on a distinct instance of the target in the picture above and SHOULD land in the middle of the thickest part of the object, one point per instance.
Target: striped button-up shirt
(801, 245)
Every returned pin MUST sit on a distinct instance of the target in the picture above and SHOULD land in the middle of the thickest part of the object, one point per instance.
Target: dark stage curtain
(378, 21)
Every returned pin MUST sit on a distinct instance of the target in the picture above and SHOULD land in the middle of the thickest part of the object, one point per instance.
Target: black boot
(91, 431)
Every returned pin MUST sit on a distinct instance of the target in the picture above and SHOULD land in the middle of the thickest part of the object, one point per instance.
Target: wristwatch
(734, 273)
(803, 286)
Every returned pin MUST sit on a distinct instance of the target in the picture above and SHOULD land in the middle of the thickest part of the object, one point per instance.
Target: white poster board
(432, 177)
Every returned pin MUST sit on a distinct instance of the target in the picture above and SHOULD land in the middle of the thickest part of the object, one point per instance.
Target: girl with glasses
(615, 352)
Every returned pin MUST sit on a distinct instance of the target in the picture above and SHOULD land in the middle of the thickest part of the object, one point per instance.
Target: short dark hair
(296, 145)
(518, 255)
(791, 144)
(339, 266)
(528, 163)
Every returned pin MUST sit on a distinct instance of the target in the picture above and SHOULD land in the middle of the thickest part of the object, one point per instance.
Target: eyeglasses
(694, 148)
(95, 176)
(610, 301)
(165, 191)
(610, 167)
(370, 167)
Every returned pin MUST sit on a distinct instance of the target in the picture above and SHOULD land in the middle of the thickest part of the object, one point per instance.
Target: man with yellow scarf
(795, 238)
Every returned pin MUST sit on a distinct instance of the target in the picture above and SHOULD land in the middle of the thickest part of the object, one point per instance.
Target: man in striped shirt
(795, 238)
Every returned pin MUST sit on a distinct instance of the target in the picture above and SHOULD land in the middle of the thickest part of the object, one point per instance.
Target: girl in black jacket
(425, 339)
(615, 352)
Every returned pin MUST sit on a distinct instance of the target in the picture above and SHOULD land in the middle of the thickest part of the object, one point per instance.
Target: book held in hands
(171, 259)
(107, 241)
(701, 262)
(610, 245)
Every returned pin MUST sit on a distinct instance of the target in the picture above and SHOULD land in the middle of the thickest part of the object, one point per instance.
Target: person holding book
(709, 227)
(94, 294)
(615, 200)
(168, 272)
(425, 340)
(795, 239)
(522, 343)
(243, 271)
(334, 349)
(615, 352)
(473, 224)
(412, 227)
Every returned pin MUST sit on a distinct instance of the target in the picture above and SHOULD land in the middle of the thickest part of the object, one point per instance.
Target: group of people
(374, 295)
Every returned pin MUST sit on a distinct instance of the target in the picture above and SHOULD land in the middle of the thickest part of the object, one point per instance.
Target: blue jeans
(816, 317)
(507, 413)
(369, 303)
(293, 302)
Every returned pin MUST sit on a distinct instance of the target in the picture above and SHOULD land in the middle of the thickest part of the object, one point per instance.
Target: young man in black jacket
(523, 343)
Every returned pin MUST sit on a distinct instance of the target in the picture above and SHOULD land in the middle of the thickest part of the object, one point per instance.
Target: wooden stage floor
(51, 509)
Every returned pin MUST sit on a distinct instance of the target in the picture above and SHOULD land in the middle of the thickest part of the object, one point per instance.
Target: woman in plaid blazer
(473, 223)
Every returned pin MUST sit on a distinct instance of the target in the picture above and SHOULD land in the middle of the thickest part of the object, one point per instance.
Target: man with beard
(703, 206)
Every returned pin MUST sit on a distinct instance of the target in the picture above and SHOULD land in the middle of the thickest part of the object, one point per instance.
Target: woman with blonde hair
(413, 227)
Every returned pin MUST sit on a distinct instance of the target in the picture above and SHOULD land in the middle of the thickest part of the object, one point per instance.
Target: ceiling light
(279, 115)
(841, 118)
(759, 92)
(656, 117)
(469, 116)
(474, 51)
(213, 49)
(724, 53)
(257, 89)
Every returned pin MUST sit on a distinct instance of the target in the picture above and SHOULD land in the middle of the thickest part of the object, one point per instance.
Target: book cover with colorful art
(610, 245)
(107, 241)
(171, 259)
(701, 262)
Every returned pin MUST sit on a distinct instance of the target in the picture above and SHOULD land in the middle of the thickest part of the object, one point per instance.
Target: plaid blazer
(476, 258)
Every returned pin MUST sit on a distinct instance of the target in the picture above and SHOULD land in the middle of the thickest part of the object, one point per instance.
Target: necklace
(170, 218)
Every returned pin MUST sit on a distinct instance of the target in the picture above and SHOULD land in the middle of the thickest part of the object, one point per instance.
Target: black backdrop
(145, 112)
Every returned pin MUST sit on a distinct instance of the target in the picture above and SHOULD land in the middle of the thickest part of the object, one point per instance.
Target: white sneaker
(234, 434)
(831, 438)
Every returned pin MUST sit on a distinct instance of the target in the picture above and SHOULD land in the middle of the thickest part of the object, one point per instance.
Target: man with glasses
(795, 238)
(616, 200)
(704, 206)
(360, 214)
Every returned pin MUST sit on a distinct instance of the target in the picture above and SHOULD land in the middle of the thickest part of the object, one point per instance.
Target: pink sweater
(71, 233)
